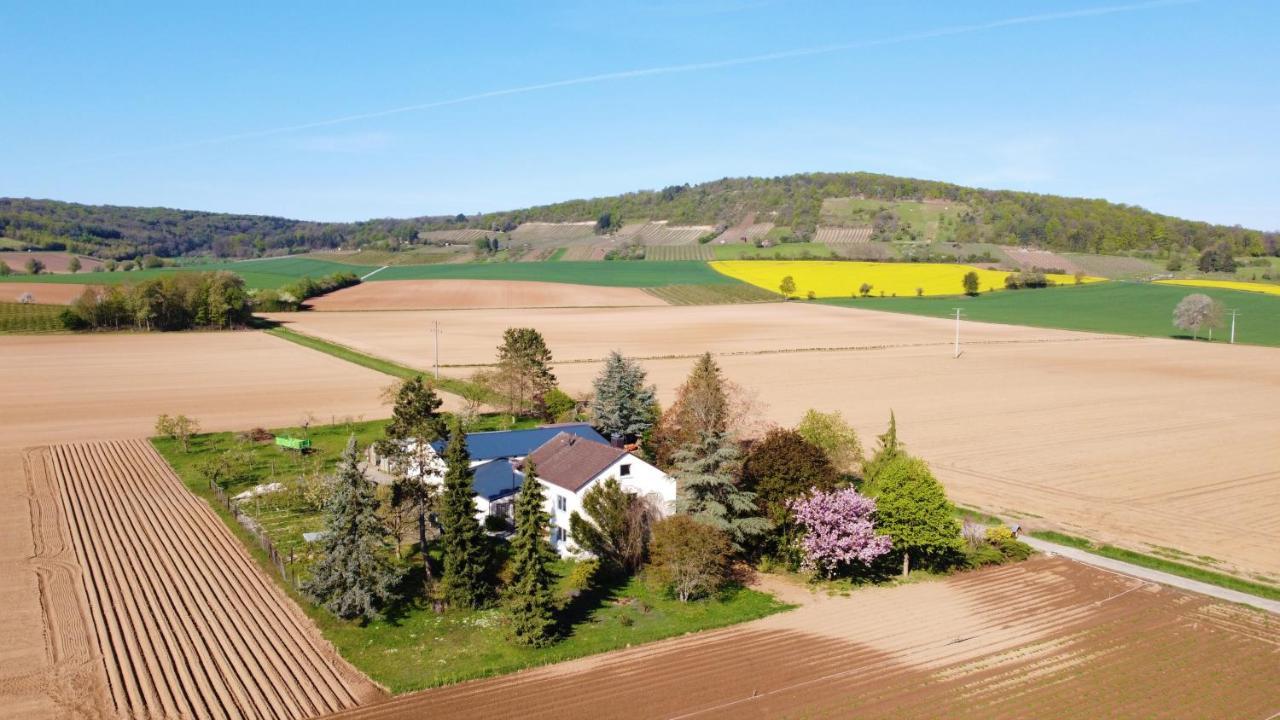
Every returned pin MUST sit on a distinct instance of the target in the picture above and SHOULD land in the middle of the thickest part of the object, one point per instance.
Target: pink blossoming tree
(839, 530)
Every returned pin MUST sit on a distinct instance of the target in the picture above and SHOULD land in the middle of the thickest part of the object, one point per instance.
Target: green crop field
(1124, 308)
(29, 318)
(617, 273)
(713, 294)
(371, 259)
(783, 251)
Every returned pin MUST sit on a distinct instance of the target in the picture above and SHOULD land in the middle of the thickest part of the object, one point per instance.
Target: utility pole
(435, 329)
(957, 332)
(1234, 313)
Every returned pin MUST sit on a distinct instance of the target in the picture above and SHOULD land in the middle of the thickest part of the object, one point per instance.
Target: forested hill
(999, 216)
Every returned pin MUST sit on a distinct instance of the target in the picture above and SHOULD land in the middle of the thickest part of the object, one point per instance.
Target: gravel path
(1155, 576)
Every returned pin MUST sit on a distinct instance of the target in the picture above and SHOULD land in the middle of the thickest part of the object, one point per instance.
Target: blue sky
(1171, 106)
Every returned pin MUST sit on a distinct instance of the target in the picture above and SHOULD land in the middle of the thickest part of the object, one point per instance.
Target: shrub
(689, 559)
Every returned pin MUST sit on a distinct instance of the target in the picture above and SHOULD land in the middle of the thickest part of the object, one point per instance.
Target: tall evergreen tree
(415, 424)
(623, 405)
(889, 449)
(913, 509)
(709, 493)
(465, 581)
(354, 577)
(529, 599)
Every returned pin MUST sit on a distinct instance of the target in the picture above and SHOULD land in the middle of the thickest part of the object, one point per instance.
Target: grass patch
(1143, 309)
(618, 273)
(1153, 562)
(976, 516)
(713, 294)
(790, 251)
(27, 318)
(449, 385)
(417, 648)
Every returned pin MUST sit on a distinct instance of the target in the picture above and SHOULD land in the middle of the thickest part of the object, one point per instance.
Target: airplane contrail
(663, 70)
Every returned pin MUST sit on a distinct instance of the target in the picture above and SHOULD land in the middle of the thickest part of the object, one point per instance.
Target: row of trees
(181, 301)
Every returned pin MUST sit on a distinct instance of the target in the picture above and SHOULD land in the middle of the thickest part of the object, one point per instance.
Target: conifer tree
(623, 404)
(709, 493)
(465, 580)
(354, 577)
(529, 598)
(889, 449)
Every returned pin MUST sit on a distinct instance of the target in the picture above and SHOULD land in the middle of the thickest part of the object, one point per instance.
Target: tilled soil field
(42, 293)
(1046, 638)
(188, 626)
(455, 294)
(66, 388)
(1132, 441)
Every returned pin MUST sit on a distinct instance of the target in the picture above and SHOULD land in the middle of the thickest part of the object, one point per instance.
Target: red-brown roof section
(570, 462)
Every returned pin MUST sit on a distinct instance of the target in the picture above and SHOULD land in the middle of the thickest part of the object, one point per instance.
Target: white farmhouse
(568, 466)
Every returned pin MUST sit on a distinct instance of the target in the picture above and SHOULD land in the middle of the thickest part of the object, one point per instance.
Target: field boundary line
(787, 351)
(1136, 571)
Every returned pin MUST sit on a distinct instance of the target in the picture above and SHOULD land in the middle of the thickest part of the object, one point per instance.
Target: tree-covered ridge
(999, 216)
(110, 231)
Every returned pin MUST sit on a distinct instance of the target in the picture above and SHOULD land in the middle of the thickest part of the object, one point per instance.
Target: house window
(625, 470)
(561, 503)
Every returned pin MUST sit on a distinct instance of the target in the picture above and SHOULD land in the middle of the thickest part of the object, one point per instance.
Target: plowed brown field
(1134, 441)
(455, 294)
(1044, 639)
(64, 388)
(187, 623)
(43, 293)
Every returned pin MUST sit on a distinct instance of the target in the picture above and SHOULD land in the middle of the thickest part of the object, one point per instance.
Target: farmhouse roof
(483, 446)
(496, 479)
(571, 461)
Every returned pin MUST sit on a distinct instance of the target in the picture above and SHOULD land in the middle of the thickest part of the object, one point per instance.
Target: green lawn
(415, 647)
(617, 273)
(783, 251)
(1124, 308)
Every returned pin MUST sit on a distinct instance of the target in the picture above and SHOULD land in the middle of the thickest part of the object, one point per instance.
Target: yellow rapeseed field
(1227, 285)
(829, 279)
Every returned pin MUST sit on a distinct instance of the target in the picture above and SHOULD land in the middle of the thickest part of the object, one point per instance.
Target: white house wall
(644, 480)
